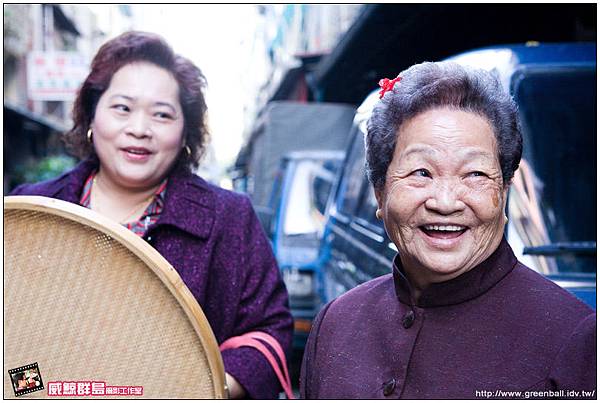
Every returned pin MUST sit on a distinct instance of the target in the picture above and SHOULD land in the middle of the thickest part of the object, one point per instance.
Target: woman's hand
(236, 391)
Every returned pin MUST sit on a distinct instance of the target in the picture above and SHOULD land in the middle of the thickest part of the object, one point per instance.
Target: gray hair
(437, 85)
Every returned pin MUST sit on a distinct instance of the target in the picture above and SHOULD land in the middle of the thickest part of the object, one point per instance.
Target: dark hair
(436, 85)
(133, 47)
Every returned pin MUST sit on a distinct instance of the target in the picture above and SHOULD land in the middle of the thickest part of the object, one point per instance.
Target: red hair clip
(387, 85)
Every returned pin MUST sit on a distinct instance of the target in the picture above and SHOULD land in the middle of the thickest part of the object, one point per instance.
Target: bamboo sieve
(89, 300)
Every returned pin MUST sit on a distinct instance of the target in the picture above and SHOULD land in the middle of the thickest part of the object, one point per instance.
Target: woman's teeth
(444, 227)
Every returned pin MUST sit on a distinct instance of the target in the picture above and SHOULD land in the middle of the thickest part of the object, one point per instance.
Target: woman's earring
(188, 151)
(505, 219)
(89, 135)
(378, 214)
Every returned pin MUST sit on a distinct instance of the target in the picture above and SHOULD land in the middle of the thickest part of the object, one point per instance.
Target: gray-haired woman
(459, 317)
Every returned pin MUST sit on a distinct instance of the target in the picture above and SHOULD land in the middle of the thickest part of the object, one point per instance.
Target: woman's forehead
(143, 78)
(447, 130)
(466, 153)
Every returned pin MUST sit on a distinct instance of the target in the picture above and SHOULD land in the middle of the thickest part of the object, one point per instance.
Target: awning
(17, 112)
(387, 38)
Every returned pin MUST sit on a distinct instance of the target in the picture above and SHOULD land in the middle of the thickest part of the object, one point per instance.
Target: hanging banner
(55, 76)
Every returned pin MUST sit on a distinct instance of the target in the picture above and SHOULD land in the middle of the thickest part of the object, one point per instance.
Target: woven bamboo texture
(90, 301)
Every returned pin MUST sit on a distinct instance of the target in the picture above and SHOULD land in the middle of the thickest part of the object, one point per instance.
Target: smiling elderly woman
(459, 317)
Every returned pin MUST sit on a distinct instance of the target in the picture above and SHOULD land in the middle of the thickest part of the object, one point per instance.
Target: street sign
(55, 76)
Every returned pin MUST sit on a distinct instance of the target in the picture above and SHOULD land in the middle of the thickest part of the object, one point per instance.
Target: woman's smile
(443, 236)
(136, 154)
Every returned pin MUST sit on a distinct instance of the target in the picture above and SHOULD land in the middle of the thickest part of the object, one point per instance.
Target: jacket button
(408, 319)
(389, 386)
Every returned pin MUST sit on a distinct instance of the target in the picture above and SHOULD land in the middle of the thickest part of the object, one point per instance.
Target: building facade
(289, 40)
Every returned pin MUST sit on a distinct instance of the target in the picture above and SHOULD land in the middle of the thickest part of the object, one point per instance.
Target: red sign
(55, 76)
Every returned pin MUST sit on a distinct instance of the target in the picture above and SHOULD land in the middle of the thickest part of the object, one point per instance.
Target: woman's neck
(120, 203)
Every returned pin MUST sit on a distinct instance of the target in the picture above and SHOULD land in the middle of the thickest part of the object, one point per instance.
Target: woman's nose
(139, 125)
(446, 198)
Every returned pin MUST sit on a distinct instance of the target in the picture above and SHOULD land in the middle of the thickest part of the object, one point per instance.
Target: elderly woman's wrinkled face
(443, 199)
(138, 126)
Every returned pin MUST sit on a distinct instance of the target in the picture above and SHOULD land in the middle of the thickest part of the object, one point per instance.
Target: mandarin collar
(467, 286)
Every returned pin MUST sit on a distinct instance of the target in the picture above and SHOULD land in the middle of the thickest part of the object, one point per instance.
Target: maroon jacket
(498, 328)
(215, 242)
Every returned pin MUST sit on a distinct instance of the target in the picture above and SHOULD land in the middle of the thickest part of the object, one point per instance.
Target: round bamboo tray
(88, 300)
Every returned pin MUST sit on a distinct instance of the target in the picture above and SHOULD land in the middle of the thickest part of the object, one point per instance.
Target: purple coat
(498, 328)
(214, 240)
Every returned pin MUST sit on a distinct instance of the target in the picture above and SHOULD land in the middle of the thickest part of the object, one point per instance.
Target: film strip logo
(26, 379)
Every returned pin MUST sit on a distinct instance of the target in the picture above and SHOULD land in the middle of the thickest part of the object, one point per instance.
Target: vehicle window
(553, 197)
(354, 173)
(320, 192)
(311, 185)
(323, 182)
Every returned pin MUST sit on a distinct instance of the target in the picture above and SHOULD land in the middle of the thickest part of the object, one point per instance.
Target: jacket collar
(189, 204)
(467, 286)
(71, 186)
(189, 201)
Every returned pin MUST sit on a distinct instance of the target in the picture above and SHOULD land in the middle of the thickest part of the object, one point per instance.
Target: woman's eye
(422, 173)
(121, 108)
(476, 174)
(163, 115)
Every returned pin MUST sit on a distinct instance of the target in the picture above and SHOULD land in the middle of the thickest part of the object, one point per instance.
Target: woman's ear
(379, 197)
(505, 190)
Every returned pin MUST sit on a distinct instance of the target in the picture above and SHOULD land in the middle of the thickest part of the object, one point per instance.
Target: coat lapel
(189, 204)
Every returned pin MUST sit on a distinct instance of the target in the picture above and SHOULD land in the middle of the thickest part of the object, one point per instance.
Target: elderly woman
(459, 317)
(140, 128)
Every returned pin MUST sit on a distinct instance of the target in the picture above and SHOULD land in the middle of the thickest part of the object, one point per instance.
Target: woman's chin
(443, 265)
(443, 270)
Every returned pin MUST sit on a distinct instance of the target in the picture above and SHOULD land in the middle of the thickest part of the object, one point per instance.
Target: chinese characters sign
(55, 76)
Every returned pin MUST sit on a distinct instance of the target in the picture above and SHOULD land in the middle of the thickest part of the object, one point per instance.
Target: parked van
(301, 193)
(552, 203)
(283, 127)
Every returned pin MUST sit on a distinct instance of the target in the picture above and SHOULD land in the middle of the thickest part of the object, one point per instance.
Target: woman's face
(138, 126)
(443, 199)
